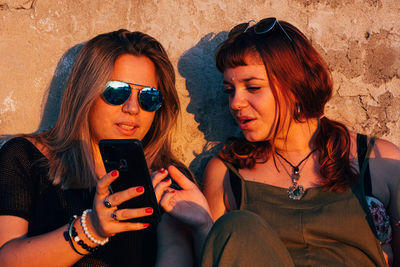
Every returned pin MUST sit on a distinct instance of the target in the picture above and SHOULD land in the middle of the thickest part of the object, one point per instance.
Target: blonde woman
(55, 206)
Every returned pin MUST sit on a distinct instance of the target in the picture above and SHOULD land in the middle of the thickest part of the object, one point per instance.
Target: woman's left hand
(187, 205)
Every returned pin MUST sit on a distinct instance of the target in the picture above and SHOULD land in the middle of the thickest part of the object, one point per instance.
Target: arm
(385, 175)
(16, 197)
(174, 243)
(190, 207)
(46, 249)
(217, 188)
(18, 250)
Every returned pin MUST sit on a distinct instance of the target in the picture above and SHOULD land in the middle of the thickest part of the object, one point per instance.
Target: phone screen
(127, 156)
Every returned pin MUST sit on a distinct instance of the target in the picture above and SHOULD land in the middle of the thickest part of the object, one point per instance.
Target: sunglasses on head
(117, 93)
(261, 27)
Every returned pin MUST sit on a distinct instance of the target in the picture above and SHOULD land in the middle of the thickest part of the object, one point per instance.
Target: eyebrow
(246, 80)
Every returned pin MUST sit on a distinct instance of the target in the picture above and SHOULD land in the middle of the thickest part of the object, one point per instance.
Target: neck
(298, 138)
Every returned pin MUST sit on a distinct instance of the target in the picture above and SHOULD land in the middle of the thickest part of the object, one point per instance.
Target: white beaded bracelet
(86, 230)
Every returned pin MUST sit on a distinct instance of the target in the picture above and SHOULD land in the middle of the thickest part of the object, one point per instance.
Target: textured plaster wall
(359, 39)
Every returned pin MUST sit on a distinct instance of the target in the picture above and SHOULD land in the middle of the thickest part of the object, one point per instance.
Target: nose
(238, 100)
(132, 106)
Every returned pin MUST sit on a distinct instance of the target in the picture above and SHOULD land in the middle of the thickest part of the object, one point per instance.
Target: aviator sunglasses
(117, 93)
(261, 27)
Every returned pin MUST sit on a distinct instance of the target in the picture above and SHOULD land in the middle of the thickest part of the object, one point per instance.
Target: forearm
(199, 238)
(178, 254)
(44, 250)
(174, 244)
(58, 247)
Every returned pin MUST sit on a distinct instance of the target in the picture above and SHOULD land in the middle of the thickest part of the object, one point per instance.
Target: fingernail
(167, 180)
(172, 191)
(114, 173)
(149, 210)
(161, 170)
(146, 224)
(139, 189)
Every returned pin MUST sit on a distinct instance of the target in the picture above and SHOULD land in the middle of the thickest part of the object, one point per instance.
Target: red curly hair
(303, 79)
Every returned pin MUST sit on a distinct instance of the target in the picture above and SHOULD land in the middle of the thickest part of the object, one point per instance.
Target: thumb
(180, 178)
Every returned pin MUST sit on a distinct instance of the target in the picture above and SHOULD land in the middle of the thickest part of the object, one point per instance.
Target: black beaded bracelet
(68, 234)
(81, 243)
(72, 235)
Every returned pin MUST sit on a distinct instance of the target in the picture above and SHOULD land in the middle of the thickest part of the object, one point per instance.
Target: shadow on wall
(52, 100)
(56, 89)
(208, 103)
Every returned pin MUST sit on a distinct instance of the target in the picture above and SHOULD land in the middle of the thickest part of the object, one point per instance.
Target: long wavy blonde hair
(68, 142)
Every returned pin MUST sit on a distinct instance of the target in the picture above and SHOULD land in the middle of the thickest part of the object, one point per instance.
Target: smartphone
(127, 156)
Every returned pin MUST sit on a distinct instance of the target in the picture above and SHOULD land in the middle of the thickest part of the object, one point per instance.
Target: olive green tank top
(321, 229)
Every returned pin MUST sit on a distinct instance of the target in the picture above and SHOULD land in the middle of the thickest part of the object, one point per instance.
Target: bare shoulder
(215, 171)
(385, 150)
(385, 160)
(385, 170)
(216, 189)
(216, 162)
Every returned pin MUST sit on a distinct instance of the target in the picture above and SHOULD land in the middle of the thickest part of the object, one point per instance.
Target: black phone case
(127, 156)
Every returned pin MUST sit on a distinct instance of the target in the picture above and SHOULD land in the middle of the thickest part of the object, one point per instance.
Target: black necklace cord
(295, 168)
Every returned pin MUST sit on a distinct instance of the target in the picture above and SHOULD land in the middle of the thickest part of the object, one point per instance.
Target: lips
(127, 128)
(244, 121)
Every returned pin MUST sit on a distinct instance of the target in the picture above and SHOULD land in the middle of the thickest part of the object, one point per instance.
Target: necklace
(295, 191)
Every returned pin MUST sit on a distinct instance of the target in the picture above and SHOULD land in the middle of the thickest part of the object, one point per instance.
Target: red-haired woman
(309, 191)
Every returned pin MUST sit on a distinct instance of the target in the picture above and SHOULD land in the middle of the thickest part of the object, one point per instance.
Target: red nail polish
(146, 224)
(160, 170)
(114, 173)
(163, 170)
(149, 210)
(167, 180)
(139, 189)
(172, 191)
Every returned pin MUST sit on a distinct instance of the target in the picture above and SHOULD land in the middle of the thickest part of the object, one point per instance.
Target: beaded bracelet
(86, 230)
(68, 234)
(73, 236)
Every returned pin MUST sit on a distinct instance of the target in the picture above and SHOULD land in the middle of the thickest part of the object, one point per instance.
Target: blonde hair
(69, 141)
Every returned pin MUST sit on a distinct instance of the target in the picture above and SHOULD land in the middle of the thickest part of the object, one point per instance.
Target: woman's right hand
(187, 205)
(108, 221)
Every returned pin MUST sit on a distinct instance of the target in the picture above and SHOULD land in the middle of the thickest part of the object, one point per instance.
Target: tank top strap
(237, 183)
(359, 188)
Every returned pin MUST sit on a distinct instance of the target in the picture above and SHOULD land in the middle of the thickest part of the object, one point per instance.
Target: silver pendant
(295, 191)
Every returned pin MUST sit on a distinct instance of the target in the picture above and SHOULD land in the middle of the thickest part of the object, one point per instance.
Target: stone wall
(359, 39)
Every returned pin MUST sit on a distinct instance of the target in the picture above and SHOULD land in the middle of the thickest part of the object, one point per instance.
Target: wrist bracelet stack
(71, 235)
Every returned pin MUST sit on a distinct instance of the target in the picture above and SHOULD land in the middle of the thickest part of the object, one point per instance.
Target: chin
(255, 138)
(251, 139)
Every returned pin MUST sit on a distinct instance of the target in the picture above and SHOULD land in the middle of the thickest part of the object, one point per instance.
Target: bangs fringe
(232, 53)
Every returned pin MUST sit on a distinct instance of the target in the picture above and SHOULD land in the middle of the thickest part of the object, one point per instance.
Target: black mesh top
(26, 192)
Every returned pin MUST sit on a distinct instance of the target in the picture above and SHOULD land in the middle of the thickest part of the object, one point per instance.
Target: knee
(240, 221)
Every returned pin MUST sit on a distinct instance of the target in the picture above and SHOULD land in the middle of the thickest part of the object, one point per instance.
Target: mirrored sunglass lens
(150, 99)
(116, 93)
(264, 25)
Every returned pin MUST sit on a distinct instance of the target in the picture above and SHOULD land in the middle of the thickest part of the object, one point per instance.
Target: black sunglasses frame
(261, 27)
(117, 95)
